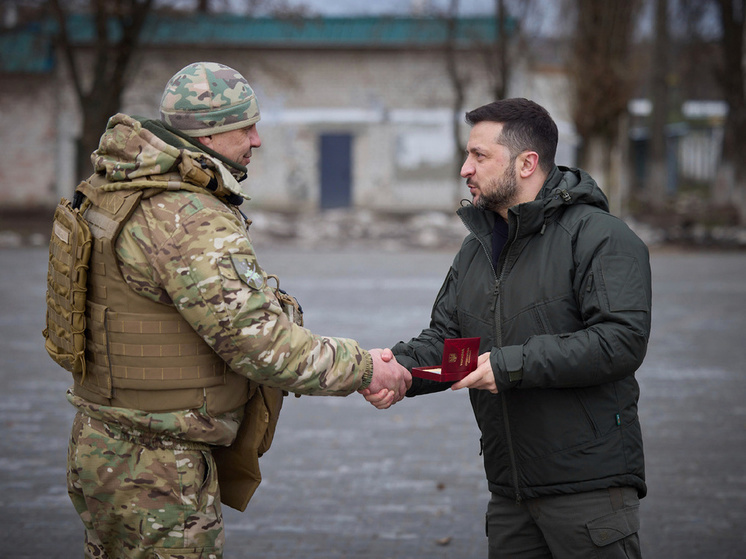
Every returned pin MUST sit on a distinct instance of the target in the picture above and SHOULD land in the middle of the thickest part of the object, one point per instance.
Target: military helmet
(206, 98)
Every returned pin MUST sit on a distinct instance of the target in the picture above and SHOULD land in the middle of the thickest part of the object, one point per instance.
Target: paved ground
(344, 480)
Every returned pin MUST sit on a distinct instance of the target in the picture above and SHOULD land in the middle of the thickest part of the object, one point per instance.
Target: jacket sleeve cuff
(510, 366)
(367, 376)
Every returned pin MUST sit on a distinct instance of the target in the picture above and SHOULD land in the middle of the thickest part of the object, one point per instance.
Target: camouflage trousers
(143, 498)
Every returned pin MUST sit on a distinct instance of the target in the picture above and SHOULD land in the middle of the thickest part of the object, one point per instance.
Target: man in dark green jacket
(559, 292)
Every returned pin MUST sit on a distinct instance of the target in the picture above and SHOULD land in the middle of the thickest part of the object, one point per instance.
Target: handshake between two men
(391, 380)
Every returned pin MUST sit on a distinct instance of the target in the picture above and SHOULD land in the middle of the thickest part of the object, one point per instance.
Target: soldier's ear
(205, 141)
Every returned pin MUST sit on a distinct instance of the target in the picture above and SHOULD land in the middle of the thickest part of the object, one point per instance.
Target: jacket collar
(563, 186)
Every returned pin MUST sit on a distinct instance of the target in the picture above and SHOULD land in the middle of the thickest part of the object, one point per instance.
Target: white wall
(397, 106)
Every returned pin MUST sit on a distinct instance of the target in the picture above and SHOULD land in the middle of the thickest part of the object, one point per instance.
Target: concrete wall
(397, 106)
(28, 141)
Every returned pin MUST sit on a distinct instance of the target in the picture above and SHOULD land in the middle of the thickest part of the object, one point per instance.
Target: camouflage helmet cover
(206, 98)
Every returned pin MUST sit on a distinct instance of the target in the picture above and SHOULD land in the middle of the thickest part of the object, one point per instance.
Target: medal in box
(459, 359)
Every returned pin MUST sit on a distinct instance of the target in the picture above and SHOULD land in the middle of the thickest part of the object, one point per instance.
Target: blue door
(336, 170)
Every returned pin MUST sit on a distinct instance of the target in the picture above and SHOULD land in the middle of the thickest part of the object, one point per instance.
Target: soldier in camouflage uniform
(182, 323)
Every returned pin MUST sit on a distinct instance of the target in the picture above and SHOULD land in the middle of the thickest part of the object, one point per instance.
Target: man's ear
(528, 163)
(205, 141)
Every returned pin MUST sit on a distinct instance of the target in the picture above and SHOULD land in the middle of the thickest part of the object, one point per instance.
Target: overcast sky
(368, 7)
(543, 18)
(347, 7)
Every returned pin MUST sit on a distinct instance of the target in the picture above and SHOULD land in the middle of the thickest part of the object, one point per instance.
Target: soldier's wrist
(367, 376)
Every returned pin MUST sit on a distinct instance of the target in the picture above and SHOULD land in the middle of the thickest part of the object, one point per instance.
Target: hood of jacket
(137, 150)
(563, 187)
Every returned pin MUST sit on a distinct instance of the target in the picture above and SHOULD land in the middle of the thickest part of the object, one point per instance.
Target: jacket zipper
(498, 339)
(504, 400)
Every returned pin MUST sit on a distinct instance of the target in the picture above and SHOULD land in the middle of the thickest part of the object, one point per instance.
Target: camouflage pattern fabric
(187, 248)
(206, 98)
(143, 498)
(192, 251)
(127, 151)
(185, 426)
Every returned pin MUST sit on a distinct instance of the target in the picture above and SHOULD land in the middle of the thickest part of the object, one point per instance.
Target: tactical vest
(140, 354)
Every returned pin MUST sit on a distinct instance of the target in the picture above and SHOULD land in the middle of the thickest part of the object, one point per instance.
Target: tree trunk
(601, 70)
(501, 43)
(95, 118)
(656, 180)
(111, 61)
(459, 83)
(732, 169)
(597, 162)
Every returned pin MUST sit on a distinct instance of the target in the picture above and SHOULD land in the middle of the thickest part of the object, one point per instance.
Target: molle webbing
(149, 351)
(67, 278)
(141, 354)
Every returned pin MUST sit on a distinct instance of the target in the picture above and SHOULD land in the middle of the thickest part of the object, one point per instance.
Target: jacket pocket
(541, 319)
(586, 413)
(623, 284)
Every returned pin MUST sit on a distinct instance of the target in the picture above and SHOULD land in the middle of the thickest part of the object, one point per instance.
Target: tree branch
(64, 40)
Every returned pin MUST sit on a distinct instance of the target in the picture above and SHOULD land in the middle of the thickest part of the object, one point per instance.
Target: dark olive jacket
(566, 318)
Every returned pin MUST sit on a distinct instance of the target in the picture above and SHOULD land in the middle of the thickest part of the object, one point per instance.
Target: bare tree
(656, 180)
(459, 81)
(100, 93)
(495, 54)
(499, 59)
(602, 74)
(731, 76)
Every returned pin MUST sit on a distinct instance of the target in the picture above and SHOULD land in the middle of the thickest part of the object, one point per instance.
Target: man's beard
(500, 193)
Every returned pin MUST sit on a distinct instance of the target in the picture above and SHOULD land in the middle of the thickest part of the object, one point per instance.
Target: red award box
(459, 359)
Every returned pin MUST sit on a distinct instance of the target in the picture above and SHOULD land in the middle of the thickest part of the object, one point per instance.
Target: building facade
(356, 112)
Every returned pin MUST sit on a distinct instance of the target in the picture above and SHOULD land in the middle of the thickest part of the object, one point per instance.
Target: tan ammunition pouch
(238, 465)
(67, 275)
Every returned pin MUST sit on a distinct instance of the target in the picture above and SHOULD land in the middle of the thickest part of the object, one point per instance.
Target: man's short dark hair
(527, 126)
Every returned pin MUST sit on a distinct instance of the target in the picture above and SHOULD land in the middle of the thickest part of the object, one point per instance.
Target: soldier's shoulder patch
(246, 268)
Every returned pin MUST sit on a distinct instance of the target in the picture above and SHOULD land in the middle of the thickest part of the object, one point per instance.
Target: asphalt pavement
(344, 480)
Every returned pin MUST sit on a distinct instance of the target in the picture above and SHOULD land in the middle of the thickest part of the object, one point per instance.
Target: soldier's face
(235, 145)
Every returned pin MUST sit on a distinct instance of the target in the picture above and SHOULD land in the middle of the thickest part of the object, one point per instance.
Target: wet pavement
(344, 480)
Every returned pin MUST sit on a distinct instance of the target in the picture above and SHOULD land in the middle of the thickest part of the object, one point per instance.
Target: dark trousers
(598, 524)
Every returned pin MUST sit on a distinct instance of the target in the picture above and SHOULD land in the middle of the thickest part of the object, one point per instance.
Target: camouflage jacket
(191, 249)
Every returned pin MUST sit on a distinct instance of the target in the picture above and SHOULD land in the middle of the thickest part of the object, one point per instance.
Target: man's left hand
(481, 378)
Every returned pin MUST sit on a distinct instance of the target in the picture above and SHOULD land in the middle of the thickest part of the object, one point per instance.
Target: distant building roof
(319, 32)
(29, 49)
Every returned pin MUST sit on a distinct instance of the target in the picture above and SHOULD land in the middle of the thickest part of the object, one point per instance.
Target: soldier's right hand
(390, 380)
